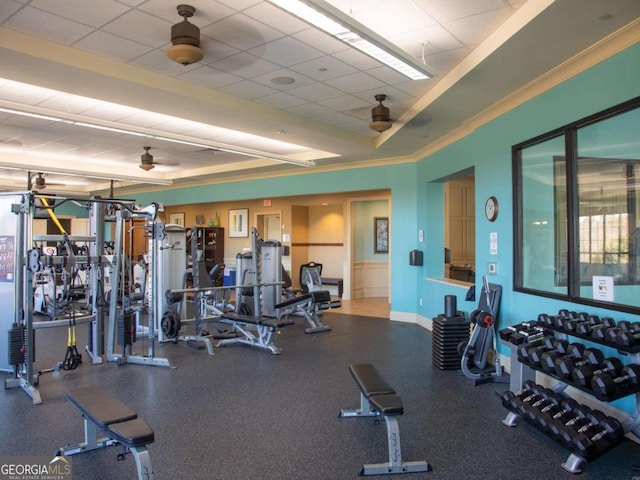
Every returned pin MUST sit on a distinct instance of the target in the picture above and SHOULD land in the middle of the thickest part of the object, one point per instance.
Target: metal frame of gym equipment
(28, 261)
(483, 339)
(156, 233)
(170, 301)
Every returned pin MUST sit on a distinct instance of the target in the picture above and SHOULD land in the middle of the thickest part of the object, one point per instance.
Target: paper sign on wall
(493, 243)
(603, 288)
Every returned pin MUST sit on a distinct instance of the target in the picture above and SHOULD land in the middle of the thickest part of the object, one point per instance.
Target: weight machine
(22, 263)
(483, 339)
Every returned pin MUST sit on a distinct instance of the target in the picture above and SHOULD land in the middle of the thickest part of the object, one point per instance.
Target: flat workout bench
(106, 414)
(379, 399)
(308, 304)
(255, 331)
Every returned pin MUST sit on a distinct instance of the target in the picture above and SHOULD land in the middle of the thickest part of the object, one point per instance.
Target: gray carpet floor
(247, 414)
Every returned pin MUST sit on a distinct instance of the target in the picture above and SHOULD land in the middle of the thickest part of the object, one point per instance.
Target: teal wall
(417, 197)
(363, 214)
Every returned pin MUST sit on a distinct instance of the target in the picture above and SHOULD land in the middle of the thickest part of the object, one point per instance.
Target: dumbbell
(548, 344)
(594, 418)
(554, 413)
(584, 374)
(608, 334)
(549, 358)
(586, 444)
(605, 384)
(513, 401)
(531, 408)
(562, 428)
(631, 337)
(578, 357)
(522, 404)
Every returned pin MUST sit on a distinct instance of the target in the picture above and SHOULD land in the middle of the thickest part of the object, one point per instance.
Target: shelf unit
(210, 245)
(522, 373)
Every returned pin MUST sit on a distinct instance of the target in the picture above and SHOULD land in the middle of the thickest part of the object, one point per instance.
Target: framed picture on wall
(381, 235)
(177, 218)
(239, 222)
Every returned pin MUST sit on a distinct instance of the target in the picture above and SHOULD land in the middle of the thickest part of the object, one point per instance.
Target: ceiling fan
(39, 183)
(147, 163)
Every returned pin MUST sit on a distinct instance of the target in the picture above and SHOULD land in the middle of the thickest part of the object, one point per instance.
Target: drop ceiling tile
(276, 18)
(281, 100)
(7, 8)
(94, 14)
(320, 40)
(215, 50)
(473, 30)
(45, 25)
(206, 12)
(247, 89)
(344, 102)
(241, 32)
(387, 75)
(112, 46)
(356, 82)
(245, 65)
(394, 95)
(298, 79)
(402, 16)
(240, 4)
(210, 77)
(141, 27)
(323, 68)
(286, 51)
(356, 59)
(447, 10)
(316, 92)
(445, 61)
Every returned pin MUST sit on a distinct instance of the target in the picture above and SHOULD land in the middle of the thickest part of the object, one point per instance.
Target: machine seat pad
(292, 301)
(100, 407)
(133, 433)
(249, 320)
(369, 380)
(320, 296)
(387, 405)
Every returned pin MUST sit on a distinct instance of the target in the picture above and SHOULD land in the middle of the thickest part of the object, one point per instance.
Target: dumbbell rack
(521, 372)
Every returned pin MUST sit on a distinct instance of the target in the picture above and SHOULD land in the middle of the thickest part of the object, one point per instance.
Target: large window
(577, 225)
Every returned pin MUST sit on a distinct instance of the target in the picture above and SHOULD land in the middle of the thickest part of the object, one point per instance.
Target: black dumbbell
(555, 413)
(508, 395)
(594, 418)
(588, 443)
(562, 428)
(608, 334)
(565, 366)
(548, 359)
(606, 384)
(548, 344)
(582, 375)
(631, 337)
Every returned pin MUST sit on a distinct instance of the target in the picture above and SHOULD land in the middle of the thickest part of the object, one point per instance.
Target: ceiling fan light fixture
(146, 160)
(380, 116)
(185, 38)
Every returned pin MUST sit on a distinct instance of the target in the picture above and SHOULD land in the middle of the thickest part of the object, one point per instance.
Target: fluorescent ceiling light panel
(333, 21)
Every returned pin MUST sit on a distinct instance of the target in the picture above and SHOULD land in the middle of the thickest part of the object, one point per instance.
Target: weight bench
(105, 414)
(379, 399)
(254, 331)
(334, 281)
(308, 304)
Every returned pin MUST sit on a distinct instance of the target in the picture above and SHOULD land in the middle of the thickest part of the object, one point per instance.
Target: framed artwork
(381, 235)
(239, 222)
(177, 218)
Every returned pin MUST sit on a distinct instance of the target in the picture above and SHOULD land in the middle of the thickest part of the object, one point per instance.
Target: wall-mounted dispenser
(415, 258)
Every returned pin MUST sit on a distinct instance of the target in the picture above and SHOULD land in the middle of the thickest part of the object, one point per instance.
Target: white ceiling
(87, 55)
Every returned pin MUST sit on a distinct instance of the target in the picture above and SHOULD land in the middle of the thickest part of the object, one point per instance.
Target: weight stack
(449, 330)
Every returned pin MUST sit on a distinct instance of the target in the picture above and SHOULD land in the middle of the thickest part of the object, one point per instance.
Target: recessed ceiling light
(283, 80)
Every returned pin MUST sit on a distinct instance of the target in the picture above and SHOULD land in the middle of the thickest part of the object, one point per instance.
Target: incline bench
(308, 304)
(106, 414)
(255, 331)
(379, 399)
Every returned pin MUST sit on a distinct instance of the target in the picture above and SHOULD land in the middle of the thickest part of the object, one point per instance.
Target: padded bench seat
(250, 320)
(254, 331)
(379, 399)
(105, 414)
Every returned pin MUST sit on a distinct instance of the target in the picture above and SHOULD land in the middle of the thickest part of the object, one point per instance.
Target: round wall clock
(491, 208)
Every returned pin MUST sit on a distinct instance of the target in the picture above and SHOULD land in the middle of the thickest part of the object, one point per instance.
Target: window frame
(570, 134)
